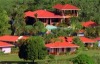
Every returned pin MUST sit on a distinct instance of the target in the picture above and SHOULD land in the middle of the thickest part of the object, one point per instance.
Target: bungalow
(89, 24)
(60, 47)
(87, 41)
(5, 47)
(11, 39)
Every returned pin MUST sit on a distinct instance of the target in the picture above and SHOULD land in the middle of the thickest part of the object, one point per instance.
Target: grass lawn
(9, 57)
(58, 58)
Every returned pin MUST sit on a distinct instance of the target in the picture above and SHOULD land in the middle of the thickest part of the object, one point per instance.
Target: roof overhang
(65, 47)
(69, 9)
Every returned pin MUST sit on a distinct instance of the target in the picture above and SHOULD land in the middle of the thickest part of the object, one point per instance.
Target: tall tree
(4, 26)
(19, 21)
(33, 47)
(75, 24)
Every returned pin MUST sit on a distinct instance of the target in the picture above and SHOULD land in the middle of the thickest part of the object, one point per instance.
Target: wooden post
(64, 50)
(47, 20)
(77, 13)
(50, 21)
(74, 12)
(52, 50)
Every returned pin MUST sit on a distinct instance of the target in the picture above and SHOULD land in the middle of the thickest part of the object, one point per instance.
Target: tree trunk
(33, 61)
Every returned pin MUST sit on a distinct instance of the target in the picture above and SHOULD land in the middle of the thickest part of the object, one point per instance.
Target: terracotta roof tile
(41, 14)
(8, 38)
(5, 44)
(66, 7)
(89, 24)
(87, 40)
(61, 45)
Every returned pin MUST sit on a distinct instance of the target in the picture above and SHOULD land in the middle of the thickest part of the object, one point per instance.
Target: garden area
(58, 59)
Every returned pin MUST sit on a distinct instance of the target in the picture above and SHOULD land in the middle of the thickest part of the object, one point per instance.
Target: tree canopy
(4, 20)
(32, 48)
(83, 59)
(90, 10)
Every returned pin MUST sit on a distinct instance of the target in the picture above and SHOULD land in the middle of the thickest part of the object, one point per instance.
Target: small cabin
(5, 47)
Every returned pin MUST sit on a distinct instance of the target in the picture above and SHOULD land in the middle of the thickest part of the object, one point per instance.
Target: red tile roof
(66, 39)
(70, 39)
(61, 45)
(4, 44)
(98, 38)
(58, 6)
(83, 39)
(66, 7)
(29, 13)
(87, 40)
(81, 31)
(8, 38)
(41, 14)
(89, 24)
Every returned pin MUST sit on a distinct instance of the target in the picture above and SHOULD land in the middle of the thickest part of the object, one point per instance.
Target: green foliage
(48, 37)
(4, 22)
(39, 27)
(19, 21)
(90, 9)
(98, 31)
(32, 48)
(62, 32)
(1, 52)
(51, 56)
(23, 54)
(29, 29)
(96, 59)
(63, 24)
(7, 5)
(82, 59)
(92, 32)
(78, 42)
(95, 45)
(57, 33)
(75, 24)
(16, 8)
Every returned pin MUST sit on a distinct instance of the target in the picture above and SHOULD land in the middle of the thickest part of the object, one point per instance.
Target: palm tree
(75, 24)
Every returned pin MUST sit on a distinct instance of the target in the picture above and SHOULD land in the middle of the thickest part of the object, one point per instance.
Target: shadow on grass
(17, 62)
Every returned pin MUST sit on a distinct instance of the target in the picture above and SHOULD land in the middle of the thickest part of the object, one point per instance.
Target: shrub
(51, 56)
(1, 52)
(82, 59)
(96, 59)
